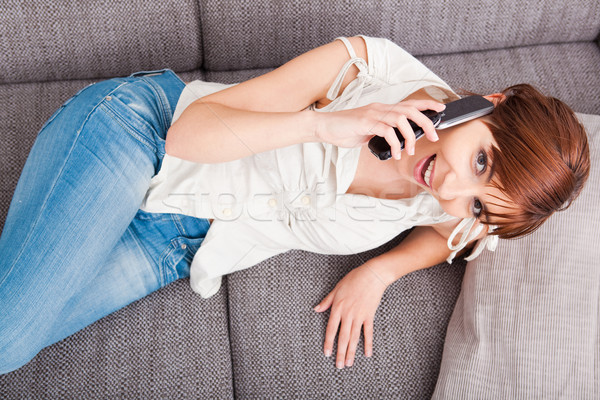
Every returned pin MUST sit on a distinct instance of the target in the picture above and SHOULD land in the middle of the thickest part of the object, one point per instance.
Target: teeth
(428, 172)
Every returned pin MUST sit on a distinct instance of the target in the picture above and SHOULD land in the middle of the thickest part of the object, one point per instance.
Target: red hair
(541, 161)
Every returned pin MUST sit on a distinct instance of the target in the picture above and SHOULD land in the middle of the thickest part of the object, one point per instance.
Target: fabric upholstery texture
(82, 39)
(242, 35)
(277, 338)
(169, 345)
(527, 321)
(543, 66)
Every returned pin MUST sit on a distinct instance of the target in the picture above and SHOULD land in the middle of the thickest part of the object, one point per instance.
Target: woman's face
(457, 170)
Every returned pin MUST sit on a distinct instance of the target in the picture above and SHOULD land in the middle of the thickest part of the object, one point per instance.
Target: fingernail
(369, 353)
(397, 156)
(411, 151)
(349, 363)
(435, 136)
(327, 353)
(316, 308)
(340, 365)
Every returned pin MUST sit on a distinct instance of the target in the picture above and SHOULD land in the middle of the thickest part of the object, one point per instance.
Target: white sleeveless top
(294, 197)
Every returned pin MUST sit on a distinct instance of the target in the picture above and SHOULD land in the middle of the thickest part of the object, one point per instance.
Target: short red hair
(542, 160)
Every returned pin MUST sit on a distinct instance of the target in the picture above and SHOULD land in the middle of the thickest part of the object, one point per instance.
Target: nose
(453, 187)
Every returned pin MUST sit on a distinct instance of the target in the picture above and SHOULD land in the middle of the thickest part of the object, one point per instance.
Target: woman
(102, 217)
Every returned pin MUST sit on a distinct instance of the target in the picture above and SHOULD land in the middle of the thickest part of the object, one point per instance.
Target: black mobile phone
(456, 112)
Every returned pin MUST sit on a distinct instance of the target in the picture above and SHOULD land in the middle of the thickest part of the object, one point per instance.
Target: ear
(496, 98)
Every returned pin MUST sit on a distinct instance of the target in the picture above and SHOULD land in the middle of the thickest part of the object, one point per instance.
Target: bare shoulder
(360, 49)
(295, 85)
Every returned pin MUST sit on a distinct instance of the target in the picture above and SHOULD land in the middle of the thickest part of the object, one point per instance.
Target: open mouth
(424, 171)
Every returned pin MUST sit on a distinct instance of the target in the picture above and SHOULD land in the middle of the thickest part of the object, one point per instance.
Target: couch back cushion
(74, 39)
(238, 34)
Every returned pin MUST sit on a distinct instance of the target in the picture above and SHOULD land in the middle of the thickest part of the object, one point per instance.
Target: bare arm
(265, 113)
(226, 133)
(262, 113)
(356, 297)
(422, 248)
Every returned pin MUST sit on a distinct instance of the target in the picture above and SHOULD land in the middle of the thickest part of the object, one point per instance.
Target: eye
(477, 207)
(481, 162)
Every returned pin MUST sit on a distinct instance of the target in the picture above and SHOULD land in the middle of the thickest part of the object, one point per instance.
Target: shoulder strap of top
(334, 90)
(348, 45)
(468, 233)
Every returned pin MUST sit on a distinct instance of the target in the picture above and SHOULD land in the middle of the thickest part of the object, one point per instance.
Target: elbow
(186, 140)
(178, 145)
(171, 146)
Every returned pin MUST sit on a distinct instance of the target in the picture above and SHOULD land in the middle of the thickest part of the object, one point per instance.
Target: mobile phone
(456, 112)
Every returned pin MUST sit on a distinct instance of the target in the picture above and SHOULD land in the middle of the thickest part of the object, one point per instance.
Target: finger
(368, 333)
(343, 339)
(423, 105)
(330, 332)
(389, 134)
(424, 122)
(354, 337)
(408, 134)
(326, 302)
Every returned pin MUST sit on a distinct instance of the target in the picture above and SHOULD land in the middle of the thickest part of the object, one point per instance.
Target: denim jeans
(75, 247)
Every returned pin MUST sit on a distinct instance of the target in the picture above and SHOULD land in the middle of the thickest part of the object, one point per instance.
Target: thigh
(81, 187)
(155, 250)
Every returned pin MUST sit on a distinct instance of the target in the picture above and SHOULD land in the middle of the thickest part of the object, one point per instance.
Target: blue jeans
(75, 247)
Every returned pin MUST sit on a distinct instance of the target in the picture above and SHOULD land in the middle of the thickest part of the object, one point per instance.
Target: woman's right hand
(355, 127)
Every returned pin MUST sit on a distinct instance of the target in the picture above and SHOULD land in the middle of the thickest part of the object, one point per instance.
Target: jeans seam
(161, 264)
(177, 221)
(165, 270)
(62, 107)
(160, 95)
(165, 108)
(50, 192)
(148, 257)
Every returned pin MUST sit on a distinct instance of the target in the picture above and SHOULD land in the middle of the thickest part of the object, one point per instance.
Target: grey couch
(258, 337)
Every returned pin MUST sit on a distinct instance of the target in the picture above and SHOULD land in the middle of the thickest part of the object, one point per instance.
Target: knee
(20, 339)
(15, 352)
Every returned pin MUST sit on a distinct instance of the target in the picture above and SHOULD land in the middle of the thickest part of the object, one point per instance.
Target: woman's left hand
(353, 302)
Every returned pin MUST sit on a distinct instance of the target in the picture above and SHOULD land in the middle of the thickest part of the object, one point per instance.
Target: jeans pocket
(142, 130)
(191, 246)
(177, 258)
